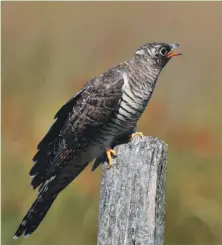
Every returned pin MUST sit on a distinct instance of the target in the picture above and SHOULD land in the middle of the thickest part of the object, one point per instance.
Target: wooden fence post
(132, 197)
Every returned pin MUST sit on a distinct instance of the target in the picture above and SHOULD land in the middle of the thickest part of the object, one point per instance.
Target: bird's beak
(173, 53)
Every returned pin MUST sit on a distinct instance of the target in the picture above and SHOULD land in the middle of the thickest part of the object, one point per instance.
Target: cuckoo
(88, 126)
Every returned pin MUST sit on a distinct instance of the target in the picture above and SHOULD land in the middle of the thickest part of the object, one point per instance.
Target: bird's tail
(36, 213)
(46, 196)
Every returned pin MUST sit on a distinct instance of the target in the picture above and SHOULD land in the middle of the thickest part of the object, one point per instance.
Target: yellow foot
(136, 134)
(109, 154)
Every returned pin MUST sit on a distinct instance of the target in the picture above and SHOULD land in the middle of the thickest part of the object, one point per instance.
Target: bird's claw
(110, 153)
(136, 134)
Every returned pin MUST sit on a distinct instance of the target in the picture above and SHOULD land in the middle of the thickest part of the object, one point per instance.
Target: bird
(87, 126)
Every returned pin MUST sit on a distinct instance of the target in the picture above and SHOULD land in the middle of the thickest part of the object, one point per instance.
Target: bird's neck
(141, 77)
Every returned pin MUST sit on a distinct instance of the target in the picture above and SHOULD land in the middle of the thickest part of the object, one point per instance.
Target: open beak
(173, 53)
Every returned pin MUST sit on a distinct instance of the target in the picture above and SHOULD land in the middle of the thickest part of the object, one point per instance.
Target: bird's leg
(136, 134)
(109, 154)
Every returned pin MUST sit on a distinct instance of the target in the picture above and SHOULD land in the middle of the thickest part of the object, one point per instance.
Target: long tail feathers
(47, 194)
(34, 216)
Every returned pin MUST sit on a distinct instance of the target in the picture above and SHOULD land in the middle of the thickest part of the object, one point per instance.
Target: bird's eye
(163, 51)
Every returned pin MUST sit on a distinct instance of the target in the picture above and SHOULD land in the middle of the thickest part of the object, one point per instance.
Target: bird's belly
(123, 120)
(128, 113)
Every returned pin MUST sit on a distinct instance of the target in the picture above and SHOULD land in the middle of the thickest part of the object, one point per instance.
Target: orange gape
(173, 53)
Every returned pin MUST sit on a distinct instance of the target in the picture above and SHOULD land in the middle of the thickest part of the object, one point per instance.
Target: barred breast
(131, 106)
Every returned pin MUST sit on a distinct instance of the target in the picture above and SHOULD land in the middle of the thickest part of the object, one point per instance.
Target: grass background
(51, 49)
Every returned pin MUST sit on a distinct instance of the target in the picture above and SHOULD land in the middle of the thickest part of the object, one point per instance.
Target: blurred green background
(51, 49)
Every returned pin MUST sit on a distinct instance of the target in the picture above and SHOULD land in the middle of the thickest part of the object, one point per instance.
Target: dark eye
(163, 51)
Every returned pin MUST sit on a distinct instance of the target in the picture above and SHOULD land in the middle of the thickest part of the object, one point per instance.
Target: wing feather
(75, 123)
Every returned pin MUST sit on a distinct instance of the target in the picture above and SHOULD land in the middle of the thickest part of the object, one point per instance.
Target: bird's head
(157, 54)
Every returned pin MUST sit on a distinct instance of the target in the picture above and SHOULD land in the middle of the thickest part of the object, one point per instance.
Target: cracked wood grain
(132, 196)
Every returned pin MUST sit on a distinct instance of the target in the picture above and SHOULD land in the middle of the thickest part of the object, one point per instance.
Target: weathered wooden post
(132, 197)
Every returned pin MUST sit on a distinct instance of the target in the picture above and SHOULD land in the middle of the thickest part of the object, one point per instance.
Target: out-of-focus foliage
(50, 49)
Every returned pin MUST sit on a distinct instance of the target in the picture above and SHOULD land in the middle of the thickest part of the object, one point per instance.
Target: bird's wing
(75, 123)
(50, 143)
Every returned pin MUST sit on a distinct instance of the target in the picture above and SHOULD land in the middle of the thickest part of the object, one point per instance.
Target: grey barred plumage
(88, 126)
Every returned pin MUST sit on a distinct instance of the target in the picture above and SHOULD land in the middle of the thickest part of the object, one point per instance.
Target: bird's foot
(136, 134)
(109, 154)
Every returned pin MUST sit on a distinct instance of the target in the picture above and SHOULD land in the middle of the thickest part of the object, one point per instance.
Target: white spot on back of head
(140, 52)
(153, 51)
